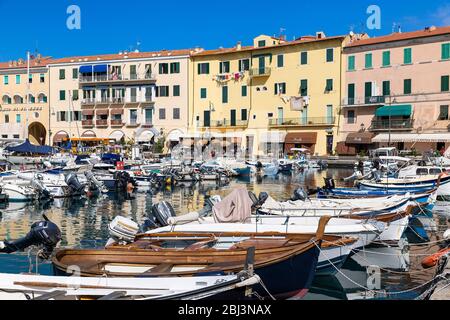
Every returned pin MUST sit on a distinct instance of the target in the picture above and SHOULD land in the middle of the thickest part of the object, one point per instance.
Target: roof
(22, 64)
(428, 32)
(123, 56)
(251, 48)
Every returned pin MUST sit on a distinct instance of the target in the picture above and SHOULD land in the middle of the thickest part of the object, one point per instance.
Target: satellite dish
(352, 33)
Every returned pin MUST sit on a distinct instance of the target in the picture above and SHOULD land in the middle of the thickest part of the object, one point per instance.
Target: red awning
(102, 112)
(87, 112)
(116, 111)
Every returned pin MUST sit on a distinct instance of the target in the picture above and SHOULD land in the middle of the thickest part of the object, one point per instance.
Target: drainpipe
(340, 90)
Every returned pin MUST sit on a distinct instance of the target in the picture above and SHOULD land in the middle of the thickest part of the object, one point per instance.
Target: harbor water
(395, 271)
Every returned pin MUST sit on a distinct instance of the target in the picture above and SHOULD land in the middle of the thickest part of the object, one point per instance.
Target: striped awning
(412, 137)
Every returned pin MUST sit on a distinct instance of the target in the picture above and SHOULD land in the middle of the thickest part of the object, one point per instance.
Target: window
(203, 68)
(18, 79)
(386, 58)
(62, 74)
(446, 51)
(304, 58)
(162, 91)
(61, 116)
(244, 65)
(176, 113)
(176, 91)
(244, 91)
(329, 85)
(163, 68)
(76, 116)
(280, 88)
(280, 61)
(386, 88)
(224, 67)
(443, 115)
(368, 64)
(6, 118)
(351, 93)
(16, 136)
(5, 79)
(304, 88)
(368, 90)
(445, 83)
(351, 119)
(261, 43)
(75, 95)
(4, 136)
(162, 114)
(407, 56)
(224, 94)
(351, 63)
(175, 67)
(203, 93)
(18, 118)
(75, 73)
(133, 72)
(133, 117)
(244, 115)
(42, 78)
(330, 55)
(62, 95)
(30, 78)
(407, 86)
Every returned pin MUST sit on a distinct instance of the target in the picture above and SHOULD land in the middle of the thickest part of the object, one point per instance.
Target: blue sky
(111, 26)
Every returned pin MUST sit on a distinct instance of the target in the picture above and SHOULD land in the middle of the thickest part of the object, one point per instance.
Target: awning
(89, 134)
(60, 137)
(116, 111)
(360, 138)
(175, 136)
(87, 112)
(272, 137)
(301, 138)
(394, 111)
(86, 69)
(102, 112)
(102, 68)
(116, 135)
(413, 137)
(145, 136)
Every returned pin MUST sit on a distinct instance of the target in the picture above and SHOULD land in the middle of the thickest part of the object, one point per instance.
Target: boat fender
(432, 261)
(44, 234)
(162, 212)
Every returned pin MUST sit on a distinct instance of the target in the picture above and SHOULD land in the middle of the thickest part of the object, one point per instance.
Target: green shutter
(369, 61)
(386, 88)
(407, 86)
(407, 56)
(304, 58)
(330, 55)
(176, 91)
(445, 84)
(351, 91)
(368, 89)
(203, 93)
(225, 94)
(280, 61)
(386, 58)
(446, 51)
(329, 86)
(351, 63)
(244, 91)
(304, 88)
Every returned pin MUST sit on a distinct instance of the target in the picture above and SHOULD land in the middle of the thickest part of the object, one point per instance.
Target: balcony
(147, 125)
(133, 123)
(116, 101)
(102, 123)
(117, 123)
(393, 124)
(309, 122)
(227, 124)
(260, 72)
(87, 123)
(116, 79)
(365, 101)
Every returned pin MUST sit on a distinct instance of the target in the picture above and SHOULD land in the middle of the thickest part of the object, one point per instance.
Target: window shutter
(445, 83)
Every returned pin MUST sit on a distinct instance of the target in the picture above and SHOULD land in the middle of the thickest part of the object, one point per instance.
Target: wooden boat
(286, 263)
(38, 287)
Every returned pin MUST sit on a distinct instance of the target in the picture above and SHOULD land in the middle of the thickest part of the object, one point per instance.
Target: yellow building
(283, 92)
(24, 109)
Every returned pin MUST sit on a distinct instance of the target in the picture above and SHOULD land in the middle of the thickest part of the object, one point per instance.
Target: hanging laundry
(297, 103)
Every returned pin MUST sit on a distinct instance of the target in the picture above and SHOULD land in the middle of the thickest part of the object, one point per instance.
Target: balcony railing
(116, 78)
(375, 100)
(133, 99)
(147, 124)
(393, 124)
(87, 123)
(260, 72)
(307, 122)
(133, 123)
(117, 123)
(226, 124)
(102, 123)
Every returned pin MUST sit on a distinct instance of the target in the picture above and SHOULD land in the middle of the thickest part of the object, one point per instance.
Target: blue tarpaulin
(27, 147)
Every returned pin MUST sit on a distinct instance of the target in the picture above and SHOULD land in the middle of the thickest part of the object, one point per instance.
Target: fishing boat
(286, 263)
(39, 287)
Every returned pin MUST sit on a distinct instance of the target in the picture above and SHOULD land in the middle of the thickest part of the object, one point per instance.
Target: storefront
(359, 142)
(306, 140)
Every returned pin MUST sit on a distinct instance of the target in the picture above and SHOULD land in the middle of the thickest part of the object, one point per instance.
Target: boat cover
(235, 208)
(27, 147)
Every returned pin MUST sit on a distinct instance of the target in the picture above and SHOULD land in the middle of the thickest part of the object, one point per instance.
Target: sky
(110, 26)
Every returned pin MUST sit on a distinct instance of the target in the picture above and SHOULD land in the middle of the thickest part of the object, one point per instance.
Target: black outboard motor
(161, 212)
(299, 195)
(330, 184)
(74, 184)
(43, 233)
(263, 196)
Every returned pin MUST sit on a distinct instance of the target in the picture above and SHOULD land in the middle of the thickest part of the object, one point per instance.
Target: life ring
(432, 261)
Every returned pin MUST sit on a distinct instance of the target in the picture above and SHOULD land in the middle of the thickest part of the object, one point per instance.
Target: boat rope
(380, 292)
(261, 282)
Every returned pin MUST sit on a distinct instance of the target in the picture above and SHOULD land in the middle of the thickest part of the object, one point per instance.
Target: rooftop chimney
(239, 46)
(320, 35)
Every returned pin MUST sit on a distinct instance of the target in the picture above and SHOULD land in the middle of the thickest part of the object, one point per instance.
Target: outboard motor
(254, 199)
(161, 213)
(44, 234)
(122, 230)
(94, 184)
(330, 184)
(74, 184)
(37, 185)
(299, 195)
(263, 196)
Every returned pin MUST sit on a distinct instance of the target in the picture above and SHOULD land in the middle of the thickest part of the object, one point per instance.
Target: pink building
(397, 92)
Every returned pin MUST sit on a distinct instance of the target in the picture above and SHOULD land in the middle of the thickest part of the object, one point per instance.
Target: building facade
(24, 108)
(273, 92)
(119, 98)
(397, 92)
